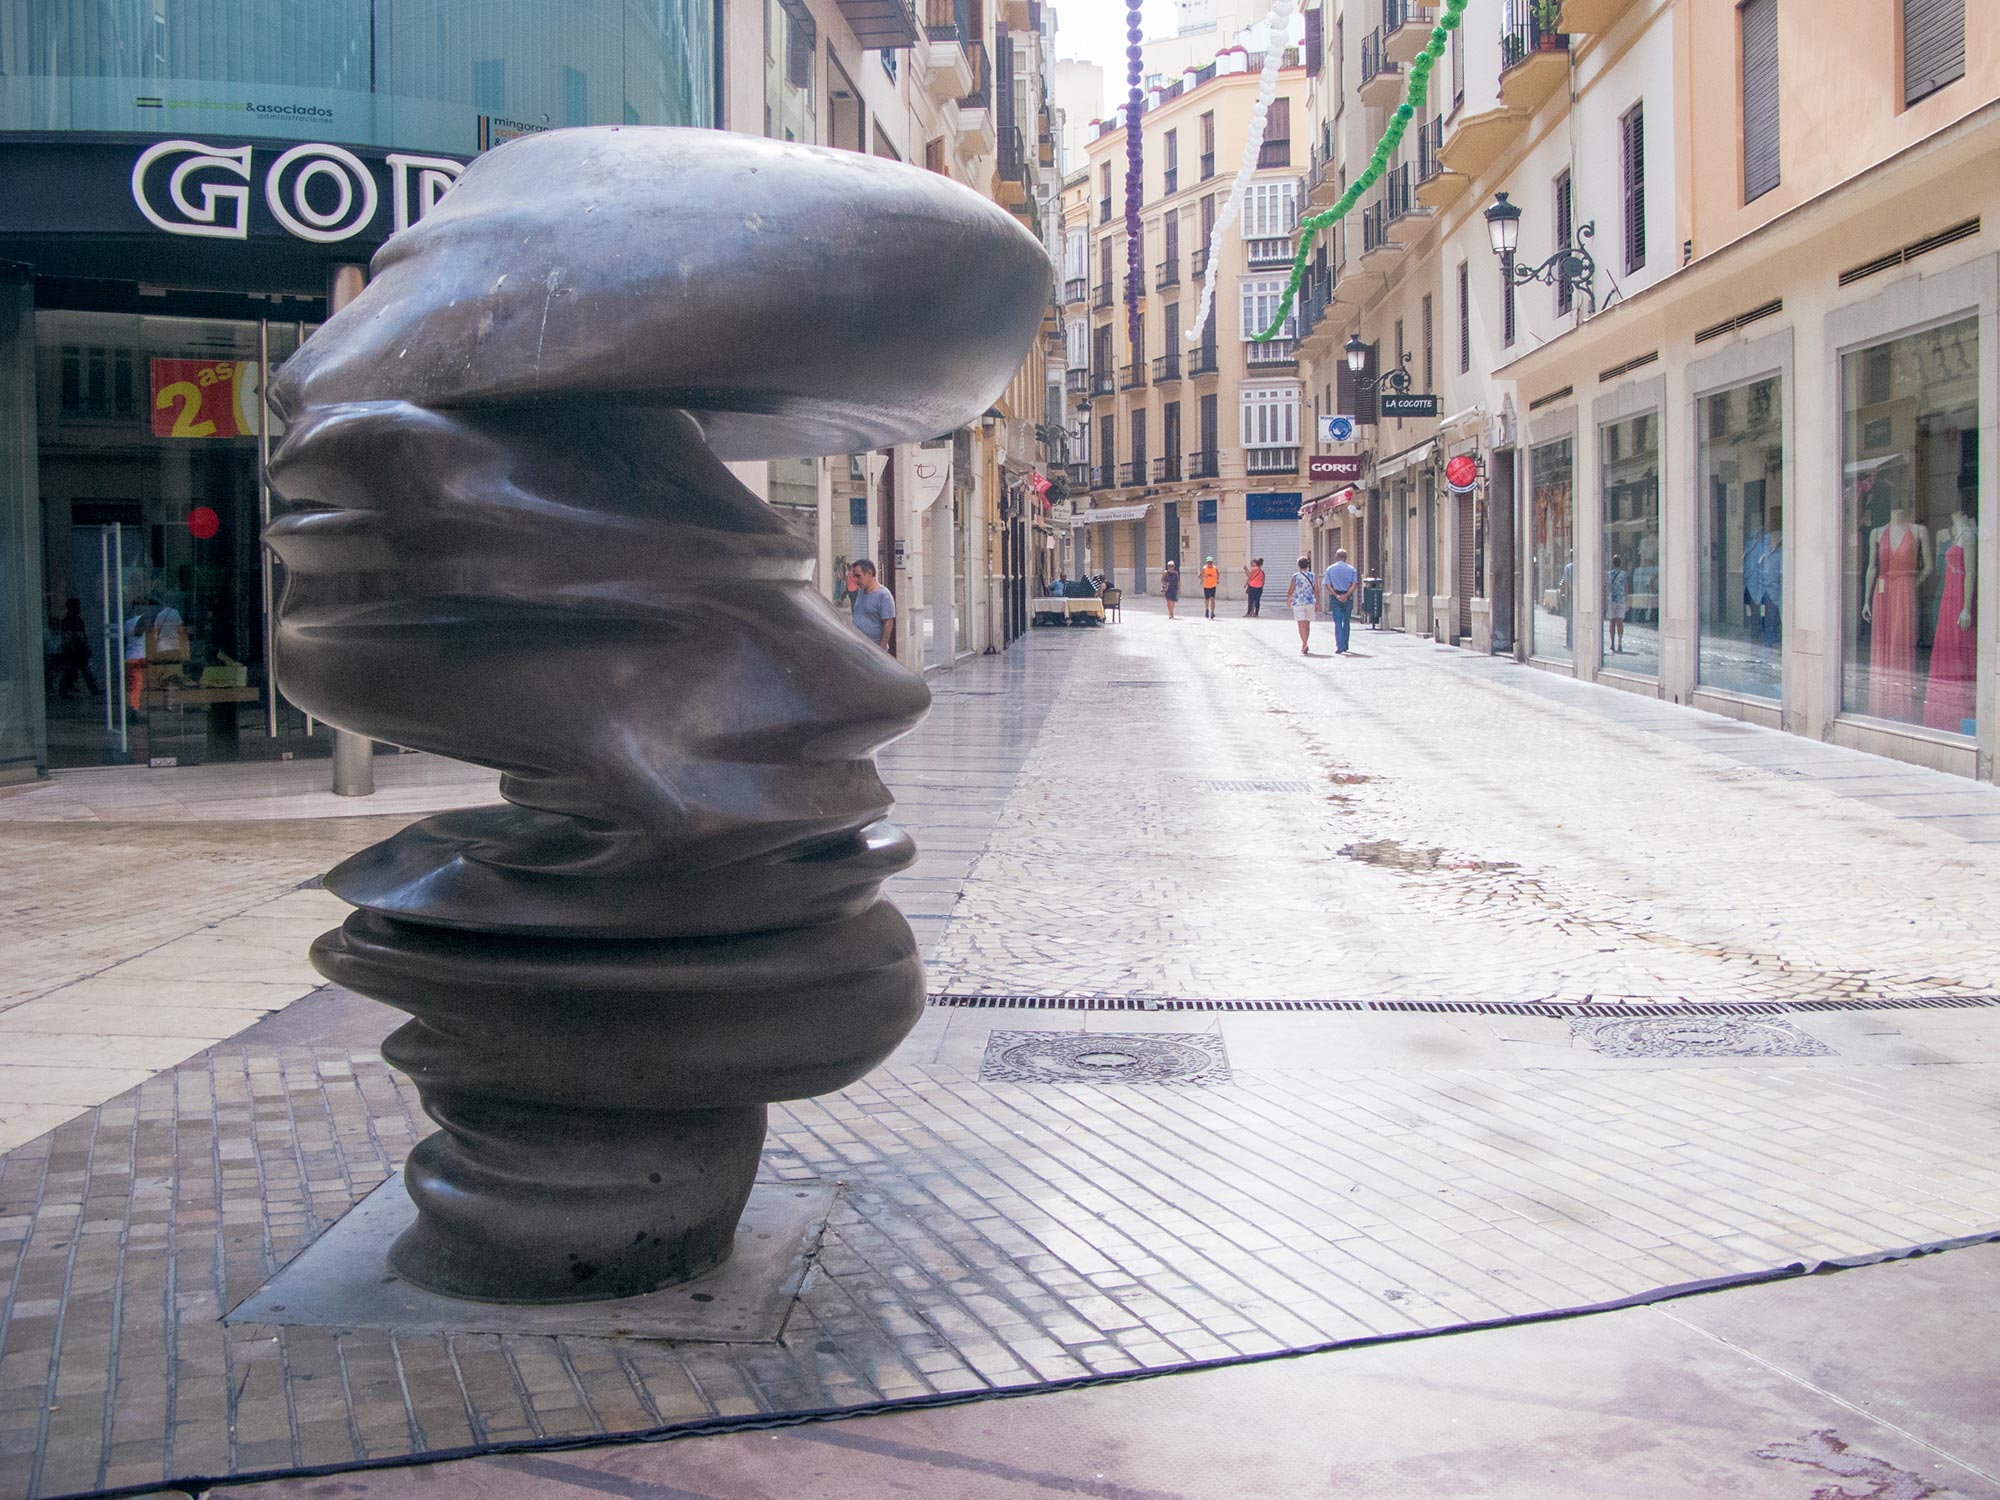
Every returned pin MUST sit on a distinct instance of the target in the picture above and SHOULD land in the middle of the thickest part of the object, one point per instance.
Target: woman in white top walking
(1303, 596)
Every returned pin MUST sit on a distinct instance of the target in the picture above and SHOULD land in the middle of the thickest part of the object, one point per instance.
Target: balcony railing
(1101, 298)
(1373, 63)
(1079, 476)
(1167, 273)
(948, 20)
(1279, 351)
(1076, 382)
(1430, 143)
(1198, 263)
(1076, 289)
(1207, 165)
(981, 95)
(1107, 477)
(1134, 473)
(1166, 469)
(1170, 181)
(1201, 465)
(1397, 199)
(1525, 34)
(1275, 250)
(1396, 14)
(1132, 376)
(1103, 382)
(1374, 228)
(1166, 367)
(1313, 307)
(1013, 155)
(1202, 361)
(1271, 461)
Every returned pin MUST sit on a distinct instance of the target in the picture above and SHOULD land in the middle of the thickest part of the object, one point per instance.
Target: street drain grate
(1555, 1010)
(1194, 1059)
(1698, 1036)
(1255, 786)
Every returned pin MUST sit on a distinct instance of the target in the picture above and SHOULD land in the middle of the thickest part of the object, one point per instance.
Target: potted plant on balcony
(1548, 26)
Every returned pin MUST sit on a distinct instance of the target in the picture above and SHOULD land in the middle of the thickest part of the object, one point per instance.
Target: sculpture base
(613, 1205)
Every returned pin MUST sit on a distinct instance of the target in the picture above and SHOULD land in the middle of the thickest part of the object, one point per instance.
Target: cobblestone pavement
(1110, 813)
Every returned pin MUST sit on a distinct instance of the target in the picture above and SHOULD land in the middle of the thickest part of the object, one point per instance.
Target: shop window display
(1911, 486)
(1629, 481)
(1552, 552)
(1741, 492)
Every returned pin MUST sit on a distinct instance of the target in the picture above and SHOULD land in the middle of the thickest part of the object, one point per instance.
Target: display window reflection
(1740, 490)
(1910, 496)
(1629, 590)
(1552, 552)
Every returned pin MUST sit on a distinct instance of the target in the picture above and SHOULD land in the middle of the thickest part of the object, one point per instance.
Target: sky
(1095, 31)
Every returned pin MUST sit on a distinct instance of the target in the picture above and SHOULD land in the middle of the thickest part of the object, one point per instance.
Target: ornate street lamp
(1396, 380)
(1571, 266)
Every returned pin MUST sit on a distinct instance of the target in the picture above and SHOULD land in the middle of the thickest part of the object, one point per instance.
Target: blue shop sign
(1272, 507)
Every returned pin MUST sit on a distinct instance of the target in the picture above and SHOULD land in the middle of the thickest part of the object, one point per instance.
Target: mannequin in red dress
(1899, 560)
(1948, 700)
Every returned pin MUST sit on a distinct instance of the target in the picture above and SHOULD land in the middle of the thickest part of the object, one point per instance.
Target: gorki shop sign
(315, 192)
(1338, 468)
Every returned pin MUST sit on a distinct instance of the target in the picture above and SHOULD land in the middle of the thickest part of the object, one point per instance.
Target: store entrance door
(155, 582)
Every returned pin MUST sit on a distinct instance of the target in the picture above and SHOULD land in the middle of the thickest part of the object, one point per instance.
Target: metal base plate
(342, 1280)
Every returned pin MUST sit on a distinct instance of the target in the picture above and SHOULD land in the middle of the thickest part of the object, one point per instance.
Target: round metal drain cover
(1698, 1036)
(1106, 1057)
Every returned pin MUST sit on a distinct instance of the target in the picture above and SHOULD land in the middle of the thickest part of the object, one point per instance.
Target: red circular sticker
(1462, 472)
(203, 523)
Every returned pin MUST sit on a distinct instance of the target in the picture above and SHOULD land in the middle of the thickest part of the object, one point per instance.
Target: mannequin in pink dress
(1948, 701)
(1899, 560)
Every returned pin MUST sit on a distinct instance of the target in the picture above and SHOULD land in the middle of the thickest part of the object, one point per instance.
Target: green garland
(1413, 99)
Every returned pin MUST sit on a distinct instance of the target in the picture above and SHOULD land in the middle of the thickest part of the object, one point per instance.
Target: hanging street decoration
(1135, 160)
(1413, 99)
(1278, 26)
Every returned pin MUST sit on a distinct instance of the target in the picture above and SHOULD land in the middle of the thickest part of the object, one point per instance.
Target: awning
(1111, 513)
(1409, 458)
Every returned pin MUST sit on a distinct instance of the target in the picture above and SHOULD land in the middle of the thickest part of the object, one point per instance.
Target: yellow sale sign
(205, 398)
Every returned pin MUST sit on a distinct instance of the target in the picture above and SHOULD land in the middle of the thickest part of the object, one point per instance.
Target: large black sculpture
(509, 537)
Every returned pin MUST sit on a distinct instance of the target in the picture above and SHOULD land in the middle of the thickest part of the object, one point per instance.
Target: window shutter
(1933, 46)
(1565, 231)
(1278, 122)
(1430, 375)
(1635, 189)
(1760, 97)
(1464, 317)
(1315, 42)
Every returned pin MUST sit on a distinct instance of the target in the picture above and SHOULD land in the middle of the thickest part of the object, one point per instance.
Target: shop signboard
(1336, 468)
(1462, 473)
(205, 398)
(1336, 429)
(1408, 404)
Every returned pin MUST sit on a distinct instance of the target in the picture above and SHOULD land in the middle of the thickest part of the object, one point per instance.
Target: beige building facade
(1188, 449)
(1744, 463)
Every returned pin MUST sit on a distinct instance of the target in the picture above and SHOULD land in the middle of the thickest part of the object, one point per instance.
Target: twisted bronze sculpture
(510, 538)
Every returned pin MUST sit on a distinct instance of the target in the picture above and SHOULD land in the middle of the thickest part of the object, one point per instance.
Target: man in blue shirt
(1341, 580)
(873, 606)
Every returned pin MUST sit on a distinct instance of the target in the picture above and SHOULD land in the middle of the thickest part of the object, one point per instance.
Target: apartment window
(1138, 447)
(1207, 146)
(1277, 148)
(1260, 299)
(1457, 67)
(1565, 228)
(1210, 425)
(1207, 219)
(1759, 20)
(1315, 43)
(1933, 46)
(1400, 351)
(1632, 130)
(1430, 374)
(934, 156)
(1076, 258)
(1076, 335)
(1339, 64)
(1464, 317)
(1270, 416)
(1270, 210)
(1172, 178)
(1104, 276)
(1172, 225)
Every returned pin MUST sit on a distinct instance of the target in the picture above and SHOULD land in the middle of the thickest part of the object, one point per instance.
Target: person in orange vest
(1210, 577)
(1253, 588)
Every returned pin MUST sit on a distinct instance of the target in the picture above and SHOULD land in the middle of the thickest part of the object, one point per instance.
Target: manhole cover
(1698, 1036)
(1105, 1057)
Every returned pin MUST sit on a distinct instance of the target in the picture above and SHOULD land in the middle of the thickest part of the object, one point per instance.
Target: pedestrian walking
(1341, 581)
(1211, 576)
(1253, 588)
(1170, 586)
(1303, 596)
(873, 606)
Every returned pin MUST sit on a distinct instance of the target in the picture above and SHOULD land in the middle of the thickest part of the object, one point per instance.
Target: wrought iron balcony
(1198, 263)
(1101, 299)
(1430, 141)
(1079, 476)
(1132, 376)
(1076, 382)
(1202, 360)
(1381, 79)
(1133, 474)
(1107, 477)
(1076, 289)
(1167, 367)
(1202, 465)
(1103, 382)
(1397, 199)
(1166, 470)
(1270, 460)
(1167, 273)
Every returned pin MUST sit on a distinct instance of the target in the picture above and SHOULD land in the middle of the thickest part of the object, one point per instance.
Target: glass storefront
(1552, 553)
(1910, 440)
(1740, 496)
(1628, 477)
(433, 75)
(149, 437)
(27, 642)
